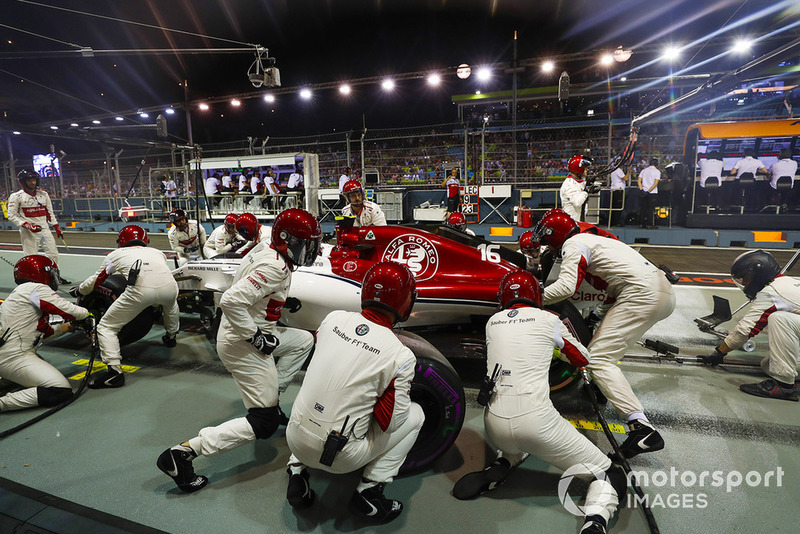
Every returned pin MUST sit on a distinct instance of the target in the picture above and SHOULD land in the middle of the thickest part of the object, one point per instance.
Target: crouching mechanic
(249, 342)
(224, 238)
(24, 321)
(358, 385)
(638, 296)
(185, 237)
(366, 213)
(520, 418)
(776, 305)
(149, 283)
(31, 210)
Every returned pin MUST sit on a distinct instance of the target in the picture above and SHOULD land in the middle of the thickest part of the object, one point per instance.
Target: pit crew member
(224, 238)
(520, 417)
(30, 209)
(24, 321)
(249, 342)
(366, 213)
(358, 384)
(150, 283)
(248, 227)
(458, 222)
(776, 306)
(638, 296)
(185, 237)
(573, 190)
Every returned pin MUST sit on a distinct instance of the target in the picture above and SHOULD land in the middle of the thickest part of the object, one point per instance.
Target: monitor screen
(47, 165)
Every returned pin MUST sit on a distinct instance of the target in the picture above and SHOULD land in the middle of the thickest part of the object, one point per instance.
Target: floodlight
(606, 59)
(74, 124)
(169, 111)
(434, 79)
(119, 118)
(269, 99)
(15, 132)
(54, 127)
(203, 107)
(548, 66)
(95, 121)
(236, 102)
(742, 46)
(387, 84)
(305, 94)
(484, 73)
(670, 53)
(344, 89)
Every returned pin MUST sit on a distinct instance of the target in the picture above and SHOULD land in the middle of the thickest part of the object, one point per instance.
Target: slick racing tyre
(99, 300)
(562, 373)
(438, 390)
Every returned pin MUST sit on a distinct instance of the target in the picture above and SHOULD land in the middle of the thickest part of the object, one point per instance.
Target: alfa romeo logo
(362, 329)
(513, 313)
(415, 252)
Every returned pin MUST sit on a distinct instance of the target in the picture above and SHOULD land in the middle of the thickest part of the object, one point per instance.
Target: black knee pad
(615, 476)
(264, 421)
(49, 397)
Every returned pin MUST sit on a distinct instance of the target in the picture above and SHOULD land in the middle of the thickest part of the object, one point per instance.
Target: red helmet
(390, 286)
(24, 175)
(36, 268)
(577, 165)
(352, 186)
(554, 228)
(457, 220)
(296, 235)
(247, 225)
(519, 287)
(132, 235)
(230, 222)
(527, 244)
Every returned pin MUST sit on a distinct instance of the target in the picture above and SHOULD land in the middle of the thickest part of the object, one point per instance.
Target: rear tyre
(438, 390)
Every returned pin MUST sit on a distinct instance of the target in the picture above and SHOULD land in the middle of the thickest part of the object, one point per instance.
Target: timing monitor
(733, 150)
(770, 149)
(371, 176)
(47, 165)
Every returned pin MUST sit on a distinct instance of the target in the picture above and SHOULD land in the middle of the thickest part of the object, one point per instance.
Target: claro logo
(415, 252)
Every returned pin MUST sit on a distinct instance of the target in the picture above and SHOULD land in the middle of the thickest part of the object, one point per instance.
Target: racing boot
(176, 462)
(170, 340)
(594, 524)
(474, 484)
(771, 389)
(642, 437)
(371, 504)
(113, 377)
(299, 492)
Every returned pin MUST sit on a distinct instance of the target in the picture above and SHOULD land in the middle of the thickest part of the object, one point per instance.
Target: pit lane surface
(100, 452)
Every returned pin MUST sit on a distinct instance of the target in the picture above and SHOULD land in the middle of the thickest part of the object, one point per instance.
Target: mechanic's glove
(191, 249)
(593, 188)
(57, 228)
(266, 343)
(73, 292)
(32, 227)
(292, 305)
(85, 324)
(712, 359)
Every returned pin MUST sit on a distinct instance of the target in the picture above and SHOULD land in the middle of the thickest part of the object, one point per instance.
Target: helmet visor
(54, 277)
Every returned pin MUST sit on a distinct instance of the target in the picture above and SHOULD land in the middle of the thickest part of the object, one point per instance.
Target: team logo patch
(362, 329)
(512, 313)
(415, 252)
(370, 236)
(349, 266)
(320, 408)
